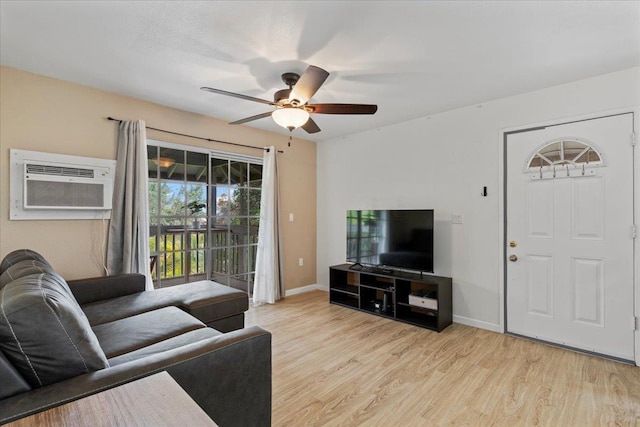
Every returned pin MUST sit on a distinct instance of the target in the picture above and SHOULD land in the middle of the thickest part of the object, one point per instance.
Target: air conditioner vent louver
(60, 171)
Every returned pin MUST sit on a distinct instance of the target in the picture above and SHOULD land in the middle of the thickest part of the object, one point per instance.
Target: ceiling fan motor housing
(281, 96)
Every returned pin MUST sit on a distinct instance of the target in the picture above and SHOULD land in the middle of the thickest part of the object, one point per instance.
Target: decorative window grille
(564, 158)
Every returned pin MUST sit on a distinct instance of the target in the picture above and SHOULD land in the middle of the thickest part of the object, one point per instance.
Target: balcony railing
(179, 255)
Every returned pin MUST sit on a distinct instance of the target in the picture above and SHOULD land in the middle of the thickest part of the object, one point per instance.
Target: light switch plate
(457, 218)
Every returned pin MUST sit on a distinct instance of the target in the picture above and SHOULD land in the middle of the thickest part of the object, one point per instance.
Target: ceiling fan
(292, 108)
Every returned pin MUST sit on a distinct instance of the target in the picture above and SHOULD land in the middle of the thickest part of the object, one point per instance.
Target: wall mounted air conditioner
(55, 186)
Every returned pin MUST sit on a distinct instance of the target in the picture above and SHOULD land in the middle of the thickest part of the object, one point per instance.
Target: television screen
(391, 238)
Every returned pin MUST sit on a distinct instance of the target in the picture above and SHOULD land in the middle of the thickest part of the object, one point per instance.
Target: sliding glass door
(204, 216)
(234, 217)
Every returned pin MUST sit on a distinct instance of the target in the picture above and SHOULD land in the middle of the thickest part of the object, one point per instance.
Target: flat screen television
(391, 238)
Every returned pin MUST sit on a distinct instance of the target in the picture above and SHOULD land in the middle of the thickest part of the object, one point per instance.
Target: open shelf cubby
(388, 295)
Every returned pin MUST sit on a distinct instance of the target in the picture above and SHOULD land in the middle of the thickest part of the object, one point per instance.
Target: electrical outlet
(300, 262)
(457, 218)
(290, 217)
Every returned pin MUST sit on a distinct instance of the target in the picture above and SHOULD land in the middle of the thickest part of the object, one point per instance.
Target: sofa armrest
(107, 287)
(228, 376)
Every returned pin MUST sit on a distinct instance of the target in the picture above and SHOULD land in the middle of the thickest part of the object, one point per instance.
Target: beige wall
(44, 114)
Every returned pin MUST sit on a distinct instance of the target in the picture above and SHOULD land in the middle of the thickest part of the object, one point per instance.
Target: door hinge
(633, 139)
(636, 323)
(633, 231)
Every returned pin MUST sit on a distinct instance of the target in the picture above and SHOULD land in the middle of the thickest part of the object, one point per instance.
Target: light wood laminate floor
(333, 366)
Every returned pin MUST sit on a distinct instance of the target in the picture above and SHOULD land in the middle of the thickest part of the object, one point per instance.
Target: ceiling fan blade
(237, 95)
(252, 118)
(310, 126)
(343, 108)
(308, 84)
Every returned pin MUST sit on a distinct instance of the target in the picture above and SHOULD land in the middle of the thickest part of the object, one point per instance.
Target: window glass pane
(220, 222)
(239, 204)
(239, 230)
(222, 204)
(588, 157)
(171, 164)
(155, 267)
(197, 167)
(219, 171)
(197, 239)
(238, 171)
(572, 149)
(171, 238)
(242, 263)
(537, 162)
(197, 200)
(196, 262)
(254, 202)
(253, 251)
(219, 261)
(219, 237)
(172, 199)
(253, 230)
(153, 199)
(171, 264)
(153, 236)
(255, 176)
(152, 154)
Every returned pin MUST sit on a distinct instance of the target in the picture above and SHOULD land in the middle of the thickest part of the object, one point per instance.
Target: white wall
(442, 162)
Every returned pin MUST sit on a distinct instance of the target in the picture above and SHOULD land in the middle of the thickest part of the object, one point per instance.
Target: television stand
(418, 299)
(382, 270)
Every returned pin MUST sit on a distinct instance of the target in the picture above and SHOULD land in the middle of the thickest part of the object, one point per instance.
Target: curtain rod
(200, 137)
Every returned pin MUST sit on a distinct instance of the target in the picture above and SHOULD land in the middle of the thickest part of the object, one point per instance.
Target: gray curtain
(268, 286)
(128, 244)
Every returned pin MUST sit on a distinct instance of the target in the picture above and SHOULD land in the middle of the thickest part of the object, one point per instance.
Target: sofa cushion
(20, 255)
(43, 331)
(129, 334)
(169, 344)
(24, 268)
(206, 300)
(12, 381)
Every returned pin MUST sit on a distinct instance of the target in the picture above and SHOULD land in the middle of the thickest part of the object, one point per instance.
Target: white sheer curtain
(268, 286)
(128, 245)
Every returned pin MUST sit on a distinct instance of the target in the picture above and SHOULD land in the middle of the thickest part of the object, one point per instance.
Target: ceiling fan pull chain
(290, 136)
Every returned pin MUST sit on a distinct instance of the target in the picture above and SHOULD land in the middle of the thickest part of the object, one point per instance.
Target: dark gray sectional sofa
(63, 341)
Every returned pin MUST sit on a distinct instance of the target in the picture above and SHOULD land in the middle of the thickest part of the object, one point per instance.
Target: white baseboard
(478, 324)
(308, 288)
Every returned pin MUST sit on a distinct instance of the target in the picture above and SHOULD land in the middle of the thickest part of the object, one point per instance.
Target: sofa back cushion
(43, 331)
(20, 255)
(24, 268)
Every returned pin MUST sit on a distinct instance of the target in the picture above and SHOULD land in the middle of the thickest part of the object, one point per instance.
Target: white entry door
(569, 235)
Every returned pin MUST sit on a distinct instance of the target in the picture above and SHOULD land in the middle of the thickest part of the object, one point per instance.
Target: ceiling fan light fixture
(290, 118)
(163, 162)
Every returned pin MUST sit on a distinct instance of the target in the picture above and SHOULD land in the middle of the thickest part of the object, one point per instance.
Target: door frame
(502, 205)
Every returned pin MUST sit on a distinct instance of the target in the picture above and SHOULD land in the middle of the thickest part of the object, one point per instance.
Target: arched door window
(570, 155)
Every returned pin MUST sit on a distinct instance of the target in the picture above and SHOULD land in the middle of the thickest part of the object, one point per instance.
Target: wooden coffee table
(152, 401)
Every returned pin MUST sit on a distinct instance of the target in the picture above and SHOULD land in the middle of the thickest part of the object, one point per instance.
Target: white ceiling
(413, 59)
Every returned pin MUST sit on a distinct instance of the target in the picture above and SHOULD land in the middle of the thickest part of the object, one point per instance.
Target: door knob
(513, 258)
